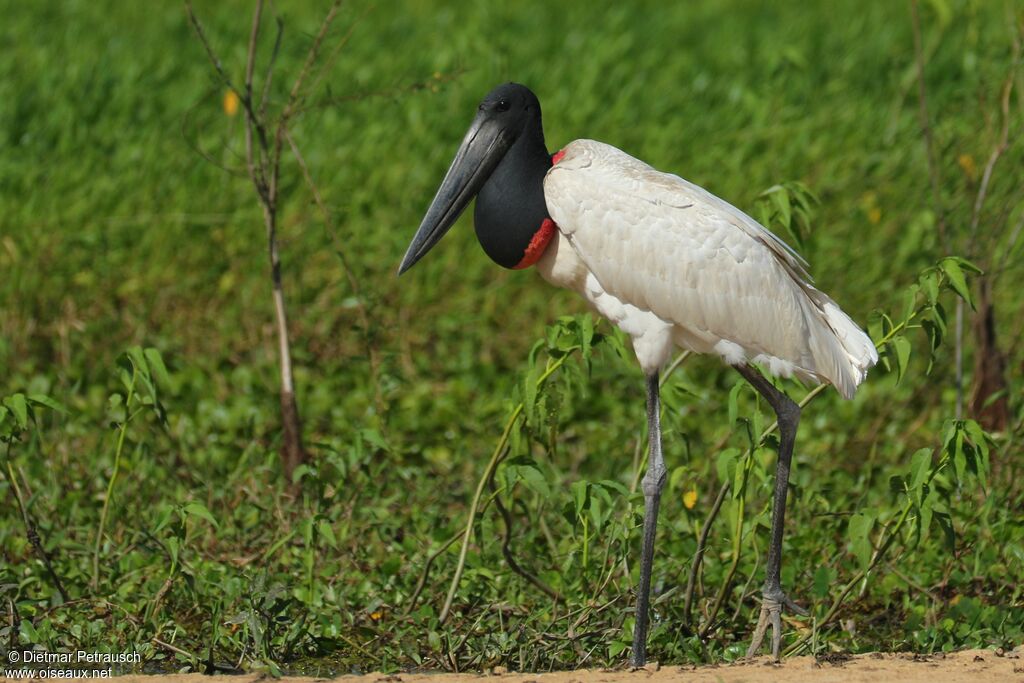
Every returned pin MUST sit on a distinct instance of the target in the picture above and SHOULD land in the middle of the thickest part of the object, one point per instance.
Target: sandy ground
(974, 666)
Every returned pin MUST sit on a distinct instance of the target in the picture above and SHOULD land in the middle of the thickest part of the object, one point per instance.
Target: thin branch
(349, 275)
(193, 143)
(270, 66)
(426, 570)
(293, 97)
(386, 92)
(311, 56)
(30, 529)
(926, 129)
(364, 315)
(1011, 243)
(331, 58)
(998, 149)
(257, 171)
(698, 556)
(214, 59)
(510, 559)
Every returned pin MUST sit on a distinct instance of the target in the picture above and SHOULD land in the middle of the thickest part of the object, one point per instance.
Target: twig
(415, 86)
(698, 556)
(913, 584)
(510, 558)
(269, 77)
(838, 602)
(426, 570)
(214, 60)
(997, 151)
(311, 56)
(353, 282)
(263, 162)
(329, 62)
(174, 648)
(128, 415)
(926, 129)
(30, 530)
(496, 458)
(933, 176)
(14, 621)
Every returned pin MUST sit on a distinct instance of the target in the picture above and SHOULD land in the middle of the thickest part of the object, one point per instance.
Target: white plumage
(671, 264)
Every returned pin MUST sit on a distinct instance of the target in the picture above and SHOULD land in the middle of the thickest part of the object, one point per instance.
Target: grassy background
(116, 232)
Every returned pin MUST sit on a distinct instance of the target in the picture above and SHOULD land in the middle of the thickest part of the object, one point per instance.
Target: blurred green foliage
(127, 223)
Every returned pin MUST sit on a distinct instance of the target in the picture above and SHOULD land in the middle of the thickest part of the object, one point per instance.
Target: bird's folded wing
(665, 245)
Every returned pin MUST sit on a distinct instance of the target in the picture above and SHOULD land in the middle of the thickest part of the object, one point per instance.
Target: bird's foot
(772, 602)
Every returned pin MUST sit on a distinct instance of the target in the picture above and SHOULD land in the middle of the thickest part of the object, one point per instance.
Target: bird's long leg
(773, 598)
(652, 484)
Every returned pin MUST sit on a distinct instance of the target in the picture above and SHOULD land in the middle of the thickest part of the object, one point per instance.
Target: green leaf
(19, 408)
(860, 537)
(734, 394)
(173, 547)
(822, 581)
(196, 509)
(958, 454)
(929, 281)
(526, 470)
(586, 335)
(326, 532)
(375, 439)
(138, 360)
(725, 462)
(957, 280)
(925, 514)
(910, 301)
(580, 495)
(901, 346)
(739, 477)
(47, 402)
(945, 523)
(530, 389)
(615, 486)
(920, 463)
(157, 367)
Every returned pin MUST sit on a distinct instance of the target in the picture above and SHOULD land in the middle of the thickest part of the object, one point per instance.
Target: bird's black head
(511, 105)
(507, 114)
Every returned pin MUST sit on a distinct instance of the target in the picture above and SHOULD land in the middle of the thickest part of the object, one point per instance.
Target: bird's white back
(670, 263)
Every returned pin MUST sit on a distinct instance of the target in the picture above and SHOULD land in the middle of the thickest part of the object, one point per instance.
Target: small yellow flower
(690, 499)
(376, 616)
(967, 164)
(230, 103)
(874, 215)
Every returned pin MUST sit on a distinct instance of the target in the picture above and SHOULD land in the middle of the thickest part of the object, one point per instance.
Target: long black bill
(481, 150)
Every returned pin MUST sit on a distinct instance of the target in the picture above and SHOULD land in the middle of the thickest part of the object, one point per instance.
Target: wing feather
(665, 245)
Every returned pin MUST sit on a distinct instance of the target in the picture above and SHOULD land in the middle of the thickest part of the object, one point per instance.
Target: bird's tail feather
(844, 356)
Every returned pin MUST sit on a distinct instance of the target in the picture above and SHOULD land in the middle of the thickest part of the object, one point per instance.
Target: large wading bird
(667, 262)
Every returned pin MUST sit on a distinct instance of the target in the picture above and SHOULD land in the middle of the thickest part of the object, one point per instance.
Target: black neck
(510, 207)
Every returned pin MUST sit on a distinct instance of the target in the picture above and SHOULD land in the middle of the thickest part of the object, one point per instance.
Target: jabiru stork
(667, 262)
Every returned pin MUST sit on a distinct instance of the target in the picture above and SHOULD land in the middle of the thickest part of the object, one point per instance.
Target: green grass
(116, 233)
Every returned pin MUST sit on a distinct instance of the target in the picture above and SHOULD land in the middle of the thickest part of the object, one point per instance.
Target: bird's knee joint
(790, 411)
(654, 480)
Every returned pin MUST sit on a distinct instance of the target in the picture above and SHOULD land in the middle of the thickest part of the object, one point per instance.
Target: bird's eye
(502, 105)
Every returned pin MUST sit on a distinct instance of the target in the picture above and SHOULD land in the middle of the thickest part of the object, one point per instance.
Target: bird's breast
(561, 265)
